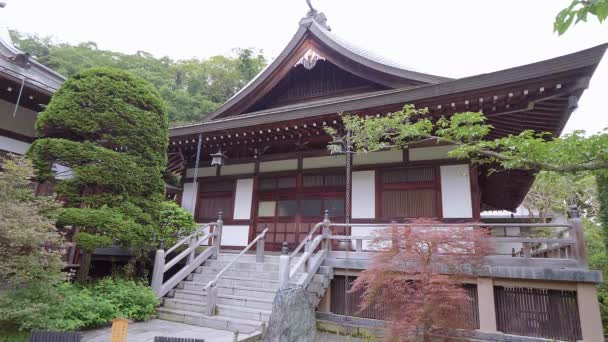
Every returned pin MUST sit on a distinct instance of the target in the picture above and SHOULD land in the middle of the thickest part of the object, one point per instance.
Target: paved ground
(145, 332)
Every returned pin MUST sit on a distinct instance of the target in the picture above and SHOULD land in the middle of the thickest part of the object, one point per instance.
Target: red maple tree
(417, 276)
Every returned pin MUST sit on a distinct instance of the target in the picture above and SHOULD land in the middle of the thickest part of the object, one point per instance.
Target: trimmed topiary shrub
(109, 128)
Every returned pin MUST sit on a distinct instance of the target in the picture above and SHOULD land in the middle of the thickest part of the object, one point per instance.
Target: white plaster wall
(506, 248)
(456, 191)
(430, 153)
(321, 162)
(364, 194)
(12, 145)
(235, 235)
(237, 169)
(279, 165)
(363, 202)
(383, 157)
(363, 231)
(187, 196)
(243, 198)
(202, 172)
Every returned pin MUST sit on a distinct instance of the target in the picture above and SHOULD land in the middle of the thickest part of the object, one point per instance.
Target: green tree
(554, 192)
(529, 150)
(110, 129)
(30, 246)
(175, 222)
(580, 10)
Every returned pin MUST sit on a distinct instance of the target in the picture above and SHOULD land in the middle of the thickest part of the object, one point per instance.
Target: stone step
(243, 291)
(248, 302)
(218, 265)
(238, 281)
(238, 273)
(253, 314)
(215, 322)
(270, 259)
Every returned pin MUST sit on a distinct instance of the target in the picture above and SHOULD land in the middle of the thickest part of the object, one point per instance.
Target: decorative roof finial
(316, 16)
(312, 9)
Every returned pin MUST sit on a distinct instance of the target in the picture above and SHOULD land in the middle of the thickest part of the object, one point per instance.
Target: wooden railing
(318, 249)
(211, 287)
(207, 235)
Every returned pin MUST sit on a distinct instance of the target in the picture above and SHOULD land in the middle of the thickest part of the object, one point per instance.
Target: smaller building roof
(19, 66)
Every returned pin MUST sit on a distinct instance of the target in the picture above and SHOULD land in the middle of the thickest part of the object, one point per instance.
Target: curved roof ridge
(319, 30)
(379, 59)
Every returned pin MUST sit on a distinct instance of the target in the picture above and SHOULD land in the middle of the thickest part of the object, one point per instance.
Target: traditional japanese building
(25, 87)
(277, 169)
(262, 160)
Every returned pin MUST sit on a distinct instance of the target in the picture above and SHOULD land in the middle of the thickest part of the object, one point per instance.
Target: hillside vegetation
(191, 88)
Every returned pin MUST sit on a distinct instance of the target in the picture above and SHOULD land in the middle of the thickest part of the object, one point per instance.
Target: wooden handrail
(197, 231)
(193, 241)
(213, 281)
(309, 236)
(306, 256)
(211, 289)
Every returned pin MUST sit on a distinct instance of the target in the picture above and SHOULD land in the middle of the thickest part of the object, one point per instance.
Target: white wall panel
(202, 172)
(456, 191)
(321, 162)
(237, 169)
(12, 145)
(279, 165)
(430, 153)
(383, 157)
(187, 196)
(235, 235)
(364, 194)
(243, 198)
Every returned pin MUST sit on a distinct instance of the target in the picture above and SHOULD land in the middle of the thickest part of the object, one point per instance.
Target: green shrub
(70, 306)
(131, 299)
(173, 221)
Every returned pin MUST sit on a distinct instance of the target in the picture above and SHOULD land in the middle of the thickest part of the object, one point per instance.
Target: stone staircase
(245, 293)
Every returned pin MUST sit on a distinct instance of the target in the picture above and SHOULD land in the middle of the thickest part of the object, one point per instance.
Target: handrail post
(217, 240)
(192, 244)
(211, 300)
(308, 249)
(157, 273)
(259, 248)
(284, 267)
(326, 244)
(577, 229)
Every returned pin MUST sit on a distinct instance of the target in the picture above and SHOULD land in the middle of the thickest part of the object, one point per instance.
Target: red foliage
(417, 275)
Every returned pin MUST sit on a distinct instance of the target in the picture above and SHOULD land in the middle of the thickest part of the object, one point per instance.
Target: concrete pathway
(146, 331)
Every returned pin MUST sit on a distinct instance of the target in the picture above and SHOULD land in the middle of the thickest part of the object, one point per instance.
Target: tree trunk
(82, 274)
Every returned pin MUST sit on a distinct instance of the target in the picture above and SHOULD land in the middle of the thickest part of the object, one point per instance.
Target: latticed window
(215, 197)
(409, 193)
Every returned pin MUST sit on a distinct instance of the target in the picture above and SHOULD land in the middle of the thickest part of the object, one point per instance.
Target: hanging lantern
(218, 158)
(336, 147)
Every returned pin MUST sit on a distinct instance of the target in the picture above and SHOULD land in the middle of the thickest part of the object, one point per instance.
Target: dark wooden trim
(439, 191)
(475, 192)
(16, 136)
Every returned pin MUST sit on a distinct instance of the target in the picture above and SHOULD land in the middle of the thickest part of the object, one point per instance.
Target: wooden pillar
(487, 309)
(589, 312)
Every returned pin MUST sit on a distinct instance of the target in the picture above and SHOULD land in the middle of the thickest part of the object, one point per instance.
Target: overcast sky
(443, 37)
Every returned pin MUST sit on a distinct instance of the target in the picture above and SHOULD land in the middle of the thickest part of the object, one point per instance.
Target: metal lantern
(218, 158)
(336, 147)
